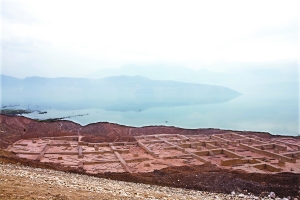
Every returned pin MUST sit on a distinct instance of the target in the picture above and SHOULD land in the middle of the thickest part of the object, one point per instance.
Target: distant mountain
(248, 75)
(160, 72)
(111, 93)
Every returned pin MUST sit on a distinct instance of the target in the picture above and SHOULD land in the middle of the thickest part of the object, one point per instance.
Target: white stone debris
(100, 185)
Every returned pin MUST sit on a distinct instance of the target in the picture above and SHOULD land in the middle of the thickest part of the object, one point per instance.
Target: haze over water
(248, 47)
(241, 113)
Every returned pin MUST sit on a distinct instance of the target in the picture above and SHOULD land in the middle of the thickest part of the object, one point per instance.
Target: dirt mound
(14, 128)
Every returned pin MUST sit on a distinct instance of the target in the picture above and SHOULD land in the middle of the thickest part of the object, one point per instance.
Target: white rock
(272, 195)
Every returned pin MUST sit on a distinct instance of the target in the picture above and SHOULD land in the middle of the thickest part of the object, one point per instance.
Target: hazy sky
(75, 38)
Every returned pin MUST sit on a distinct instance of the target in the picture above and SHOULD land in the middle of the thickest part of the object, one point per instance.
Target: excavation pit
(154, 152)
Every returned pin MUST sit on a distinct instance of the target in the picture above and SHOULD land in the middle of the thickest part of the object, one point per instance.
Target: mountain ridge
(127, 91)
(239, 79)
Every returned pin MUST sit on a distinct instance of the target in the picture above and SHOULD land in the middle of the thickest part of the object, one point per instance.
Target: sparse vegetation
(12, 112)
(10, 106)
(58, 118)
(50, 119)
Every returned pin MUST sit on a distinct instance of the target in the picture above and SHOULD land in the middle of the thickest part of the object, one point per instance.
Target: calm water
(247, 112)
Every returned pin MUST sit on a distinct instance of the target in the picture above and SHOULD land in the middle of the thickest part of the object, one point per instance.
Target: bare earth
(63, 160)
(20, 182)
(155, 152)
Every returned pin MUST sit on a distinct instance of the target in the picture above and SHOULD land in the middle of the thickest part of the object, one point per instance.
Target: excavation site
(202, 159)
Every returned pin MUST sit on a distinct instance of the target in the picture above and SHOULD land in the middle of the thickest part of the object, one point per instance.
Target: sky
(75, 38)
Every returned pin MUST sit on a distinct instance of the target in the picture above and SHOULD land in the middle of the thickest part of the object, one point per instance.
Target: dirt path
(78, 131)
(61, 124)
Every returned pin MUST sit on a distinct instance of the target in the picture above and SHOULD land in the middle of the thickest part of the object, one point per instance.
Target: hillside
(112, 93)
(204, 177)
(21, 182)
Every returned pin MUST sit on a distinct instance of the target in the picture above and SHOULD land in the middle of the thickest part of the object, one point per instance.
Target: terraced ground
(209, 160)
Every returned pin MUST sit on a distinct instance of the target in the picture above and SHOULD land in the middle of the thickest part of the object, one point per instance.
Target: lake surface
(246, 112)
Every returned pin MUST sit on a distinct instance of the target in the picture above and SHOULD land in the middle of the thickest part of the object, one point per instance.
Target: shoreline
(189, 117)
(65, 119)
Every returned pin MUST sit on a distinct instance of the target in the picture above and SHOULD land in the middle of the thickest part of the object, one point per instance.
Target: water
(246, 112)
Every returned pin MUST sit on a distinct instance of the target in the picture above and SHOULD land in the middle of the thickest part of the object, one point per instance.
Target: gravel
(119, 189)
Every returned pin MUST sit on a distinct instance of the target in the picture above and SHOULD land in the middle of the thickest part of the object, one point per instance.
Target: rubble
(68, 183)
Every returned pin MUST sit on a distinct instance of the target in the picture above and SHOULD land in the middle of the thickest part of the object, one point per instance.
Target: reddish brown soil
(207, 177)
(15, 128)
